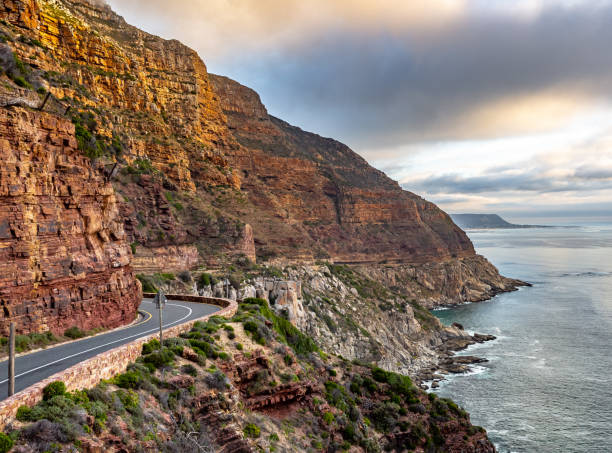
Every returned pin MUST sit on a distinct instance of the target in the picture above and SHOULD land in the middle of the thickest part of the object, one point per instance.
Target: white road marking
(104, 345)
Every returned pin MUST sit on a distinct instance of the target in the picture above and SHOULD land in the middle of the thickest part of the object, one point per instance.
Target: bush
(20, 81)
(379, 374)
(57, 388)
(206, 280)
(24, 413)
(74, 332)
(160, 359)
(252, 430)
(150, 346)
(217, 380)
(189, 369)
(147, 283)
(273, 437)
(128, 380)
(328, 418)
(129, 399)
(6, 443)
(385, 416)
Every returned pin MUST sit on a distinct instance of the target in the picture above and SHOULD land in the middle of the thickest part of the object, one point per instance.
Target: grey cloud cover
(374, 84)
(386, 88)
(530, 180)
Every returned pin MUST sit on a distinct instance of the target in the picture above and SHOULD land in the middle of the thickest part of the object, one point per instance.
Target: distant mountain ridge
(473, 221)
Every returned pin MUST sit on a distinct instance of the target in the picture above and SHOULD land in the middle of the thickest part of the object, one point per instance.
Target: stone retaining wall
(107, 364)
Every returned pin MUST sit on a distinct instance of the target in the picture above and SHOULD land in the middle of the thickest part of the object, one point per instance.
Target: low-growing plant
(128, 380)
(189, 369)
(150, 346)
(252, 430)
(56, 388)
(160, 359)
(74, 332)
(6, 443)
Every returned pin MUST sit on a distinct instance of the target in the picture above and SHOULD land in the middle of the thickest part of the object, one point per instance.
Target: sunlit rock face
(207, 173)
(64, 260)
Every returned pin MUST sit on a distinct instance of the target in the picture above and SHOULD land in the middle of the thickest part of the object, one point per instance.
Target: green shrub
(239, 346)
(150, 346)
(379, 374)
(6, 443)
(160, 359)
(129, 399)
(190, 370)
(349, 433)
(57, 388)
(128, 380)
(74, 332)
(252, 430)
(184, 276)
(328, 418)
(287, 332)
(147, 283)
(385, 416)
(273, 437)
(206, 280)
(20, 81)
(24, 413)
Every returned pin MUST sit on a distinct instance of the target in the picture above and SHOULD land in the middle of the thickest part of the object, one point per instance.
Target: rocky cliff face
(205, 176)
(63, 256)
(344, 210)
(318, 190)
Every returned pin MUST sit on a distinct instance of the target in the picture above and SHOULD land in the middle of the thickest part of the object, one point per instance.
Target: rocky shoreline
(449, 363)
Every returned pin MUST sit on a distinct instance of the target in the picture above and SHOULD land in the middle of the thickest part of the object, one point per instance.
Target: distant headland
(477, 221)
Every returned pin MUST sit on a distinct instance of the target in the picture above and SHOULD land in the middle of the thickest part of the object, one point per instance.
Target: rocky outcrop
(469, 279)
(190, 141)
(63, 256)
(320, 191)
(203, 167)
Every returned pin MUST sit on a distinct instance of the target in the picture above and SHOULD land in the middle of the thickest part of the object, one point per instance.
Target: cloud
(386, 73)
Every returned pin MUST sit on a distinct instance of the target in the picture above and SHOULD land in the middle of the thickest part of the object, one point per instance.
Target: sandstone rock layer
(63, 256)
(203, 166)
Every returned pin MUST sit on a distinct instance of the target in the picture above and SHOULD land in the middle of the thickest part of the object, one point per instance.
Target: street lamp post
(160, 303)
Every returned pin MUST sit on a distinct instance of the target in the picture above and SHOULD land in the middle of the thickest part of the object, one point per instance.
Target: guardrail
(109, 363)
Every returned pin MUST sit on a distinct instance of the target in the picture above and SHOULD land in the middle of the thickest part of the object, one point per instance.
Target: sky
(492, 106)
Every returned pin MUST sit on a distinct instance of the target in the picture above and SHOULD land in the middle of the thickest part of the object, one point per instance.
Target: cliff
(320, 191)
(205, 176)
(63, 256)
(201, 138)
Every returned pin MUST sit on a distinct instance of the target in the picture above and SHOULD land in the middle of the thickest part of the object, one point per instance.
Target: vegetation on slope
(221, 384)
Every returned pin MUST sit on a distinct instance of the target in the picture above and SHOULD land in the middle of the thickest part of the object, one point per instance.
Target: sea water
(548, 384)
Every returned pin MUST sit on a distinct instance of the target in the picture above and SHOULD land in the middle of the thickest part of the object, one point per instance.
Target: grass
(287, 332)
(32, 341)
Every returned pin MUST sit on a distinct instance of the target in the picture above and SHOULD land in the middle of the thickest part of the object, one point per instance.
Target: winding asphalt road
(34, 367)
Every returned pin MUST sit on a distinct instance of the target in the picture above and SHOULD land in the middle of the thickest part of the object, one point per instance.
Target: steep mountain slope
(327, 195)
(206, 177)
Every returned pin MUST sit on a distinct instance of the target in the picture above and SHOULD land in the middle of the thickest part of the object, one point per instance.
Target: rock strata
(63, 256)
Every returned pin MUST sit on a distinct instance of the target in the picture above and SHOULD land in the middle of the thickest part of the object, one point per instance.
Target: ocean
(548, 384)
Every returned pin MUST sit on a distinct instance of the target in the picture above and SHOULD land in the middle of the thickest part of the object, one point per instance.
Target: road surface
(34, 367)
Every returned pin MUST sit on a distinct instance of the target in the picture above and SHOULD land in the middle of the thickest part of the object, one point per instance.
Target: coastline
(450, 364)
